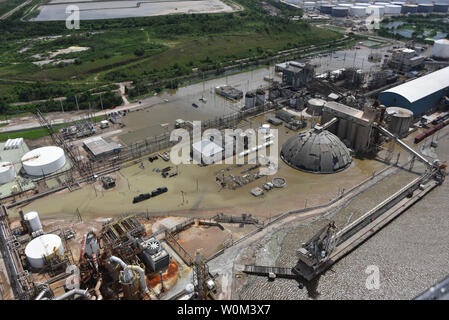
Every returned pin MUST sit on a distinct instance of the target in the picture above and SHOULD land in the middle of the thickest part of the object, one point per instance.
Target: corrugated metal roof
(423, 86)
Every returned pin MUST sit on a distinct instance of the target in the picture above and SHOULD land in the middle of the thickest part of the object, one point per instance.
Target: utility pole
(101, 101)
(76, 99)
(60, 101)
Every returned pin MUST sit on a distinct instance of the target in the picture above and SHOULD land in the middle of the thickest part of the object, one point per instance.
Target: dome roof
(317, 151)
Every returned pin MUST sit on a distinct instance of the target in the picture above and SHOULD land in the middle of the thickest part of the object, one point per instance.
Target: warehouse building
(419, 95)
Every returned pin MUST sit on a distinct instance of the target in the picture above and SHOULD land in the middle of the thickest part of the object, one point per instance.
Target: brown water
(145, 123)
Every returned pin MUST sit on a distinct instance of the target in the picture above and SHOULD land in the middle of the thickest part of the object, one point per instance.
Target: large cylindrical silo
(441, 7)
(441, 49)
(43, 161)
(33, 220)
(399, 120)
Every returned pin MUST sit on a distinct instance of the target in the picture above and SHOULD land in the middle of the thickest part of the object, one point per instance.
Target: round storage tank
(377, 11)
(33, 220)
(340, 12)
(393, 9)
(309, 5)
(260, 97)
(409, 8)
(441, 49)
(441, 7)
(326, 8)
(361, 4)
(315, 106)
(250, 100)
(425, 7)
(357, 11)
(399, 120)
(43, 248)
(42, 161)
(7, 172)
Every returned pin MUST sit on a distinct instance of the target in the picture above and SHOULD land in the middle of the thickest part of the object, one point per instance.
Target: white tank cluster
(441, 49)
(13, 144)
(7, 172)
(43, 161)
(41, 249)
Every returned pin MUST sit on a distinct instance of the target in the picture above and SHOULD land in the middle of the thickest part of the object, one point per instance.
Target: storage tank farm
(43, 161)
(393, 9)
(409, 8)
(441, 7)
(7, 172)
(357, 11)
(340, 12)
(326, 8)
(441, 49)
(425, 7)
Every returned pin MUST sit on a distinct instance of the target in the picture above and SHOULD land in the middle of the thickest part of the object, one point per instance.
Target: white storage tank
(399, 120)
(441, 49)
(357, 11)
(7, 172)
(33, 220)
(315, 106)
(43, 248)
(393, 9)
(362, 4)
(377, 11)
(43, 161)
(308, 5)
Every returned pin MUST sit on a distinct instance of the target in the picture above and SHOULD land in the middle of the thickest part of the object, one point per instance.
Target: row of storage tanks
(37, 162)
(362, 8)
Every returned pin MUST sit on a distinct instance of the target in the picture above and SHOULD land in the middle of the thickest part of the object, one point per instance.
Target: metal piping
(143, 282)
(127, 269)
(97, 289)
(73, 292)
(42, 293)
(118, 260)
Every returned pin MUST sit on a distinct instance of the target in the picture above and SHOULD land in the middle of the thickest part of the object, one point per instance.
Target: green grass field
(141, 49)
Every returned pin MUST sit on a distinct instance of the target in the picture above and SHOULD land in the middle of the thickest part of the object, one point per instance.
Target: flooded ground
(195, 192)
(93, 10)
(411, 252)
(177, 104)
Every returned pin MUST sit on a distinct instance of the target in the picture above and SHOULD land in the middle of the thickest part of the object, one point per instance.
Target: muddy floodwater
(93, 10)
(411, 252)
(177, 104)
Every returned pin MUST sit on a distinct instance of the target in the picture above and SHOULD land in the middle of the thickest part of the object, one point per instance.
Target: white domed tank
(7, 172)
(33, 220)
(43, 161)
(315, 106)
(399, 120)
(441, 49)
(43, 248)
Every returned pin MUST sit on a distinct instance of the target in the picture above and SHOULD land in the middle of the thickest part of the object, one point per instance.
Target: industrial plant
(348, 141)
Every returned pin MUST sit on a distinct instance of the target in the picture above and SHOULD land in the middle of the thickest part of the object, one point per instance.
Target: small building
(418, 95)
(99, 147)
(297, 74)
(207, 152)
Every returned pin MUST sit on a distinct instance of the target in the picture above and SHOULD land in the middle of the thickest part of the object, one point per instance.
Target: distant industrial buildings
(419, 95)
